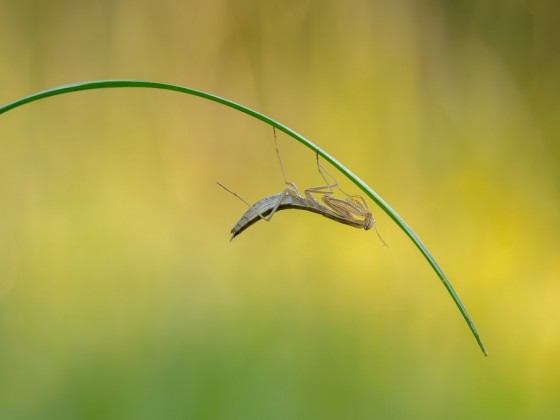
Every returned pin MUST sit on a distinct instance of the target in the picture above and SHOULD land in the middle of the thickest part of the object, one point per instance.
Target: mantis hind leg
(286, 181)
(287, 191)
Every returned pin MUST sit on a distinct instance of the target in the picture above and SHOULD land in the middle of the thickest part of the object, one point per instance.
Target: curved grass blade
(103, 84)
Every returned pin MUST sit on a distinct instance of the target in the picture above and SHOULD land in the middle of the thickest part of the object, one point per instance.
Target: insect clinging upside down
(350, 210)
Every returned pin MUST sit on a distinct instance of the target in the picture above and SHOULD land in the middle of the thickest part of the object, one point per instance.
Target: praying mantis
(351, 210)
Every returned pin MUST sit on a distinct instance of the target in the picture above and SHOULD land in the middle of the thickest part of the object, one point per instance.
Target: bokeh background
(120, 294)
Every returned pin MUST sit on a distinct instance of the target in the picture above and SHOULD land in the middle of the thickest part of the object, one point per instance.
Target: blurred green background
(120, 295)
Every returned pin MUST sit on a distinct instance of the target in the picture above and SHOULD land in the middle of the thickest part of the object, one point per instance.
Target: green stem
(101, 84)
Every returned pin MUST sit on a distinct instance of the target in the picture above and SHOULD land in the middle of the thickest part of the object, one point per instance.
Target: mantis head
(369, 222)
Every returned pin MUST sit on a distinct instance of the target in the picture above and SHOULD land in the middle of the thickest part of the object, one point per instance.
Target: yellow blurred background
(120, 295)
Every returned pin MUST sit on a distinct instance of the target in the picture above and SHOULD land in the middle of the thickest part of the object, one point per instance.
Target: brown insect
(350, 210)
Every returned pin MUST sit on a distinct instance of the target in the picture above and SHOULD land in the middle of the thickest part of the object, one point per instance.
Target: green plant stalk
(102, 84)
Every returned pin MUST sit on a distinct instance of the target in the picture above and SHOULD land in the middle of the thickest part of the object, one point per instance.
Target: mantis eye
(369, 222)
